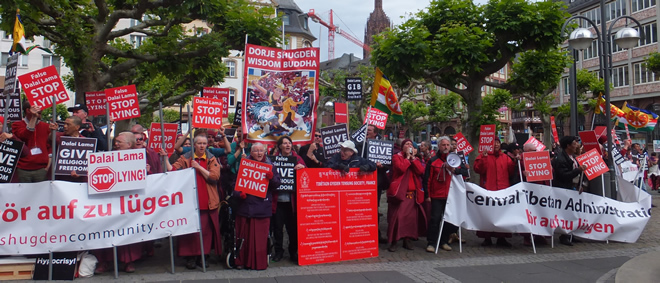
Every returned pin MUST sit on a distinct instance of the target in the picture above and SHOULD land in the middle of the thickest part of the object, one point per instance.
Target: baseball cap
(78, 107)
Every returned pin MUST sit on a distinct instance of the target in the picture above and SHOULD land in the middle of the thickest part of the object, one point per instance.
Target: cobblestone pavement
(421, 266)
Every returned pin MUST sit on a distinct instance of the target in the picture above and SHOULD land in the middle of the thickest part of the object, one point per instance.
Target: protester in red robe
(207, 169)
(405, 216)
(494, 170)
(253, 219)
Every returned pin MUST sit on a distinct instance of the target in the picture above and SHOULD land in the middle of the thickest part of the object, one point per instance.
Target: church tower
(378, 22)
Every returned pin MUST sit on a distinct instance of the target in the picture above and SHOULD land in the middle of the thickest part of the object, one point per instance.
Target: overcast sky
(351, 16)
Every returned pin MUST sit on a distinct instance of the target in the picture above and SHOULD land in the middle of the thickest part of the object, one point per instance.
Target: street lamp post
(580, 39)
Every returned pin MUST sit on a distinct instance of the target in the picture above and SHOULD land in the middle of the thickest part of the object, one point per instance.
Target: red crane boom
(332, 29)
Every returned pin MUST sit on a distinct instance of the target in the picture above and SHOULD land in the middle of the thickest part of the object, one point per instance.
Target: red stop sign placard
(102, 179)
(595, 164)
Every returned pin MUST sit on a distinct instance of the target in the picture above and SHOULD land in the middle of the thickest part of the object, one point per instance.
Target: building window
(615, 9)
(565, 86)
(650, 34)
(231, 68)
(22, 60)
(285, 20)
(136, 40)
(46, 43)
(304, 24)
(642, 75)
(134, 22)
(5, 35)
(641, 4)
(232, 97)
(620, 76)
(4, 59)
(593, 15)
(50, 60)
(592, 51)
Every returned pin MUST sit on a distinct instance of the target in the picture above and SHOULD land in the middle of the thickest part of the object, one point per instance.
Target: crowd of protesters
(416, 184)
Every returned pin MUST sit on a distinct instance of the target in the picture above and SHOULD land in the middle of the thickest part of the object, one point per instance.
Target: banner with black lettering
(10, 151)
(72, 155)
(280, 94)
(544, 210)
(380, 151)
(284, 166)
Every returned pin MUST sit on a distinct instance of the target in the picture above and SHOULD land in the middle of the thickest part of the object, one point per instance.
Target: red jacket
(37, 138)
(494, 170)
(400, 166)
(439, 178)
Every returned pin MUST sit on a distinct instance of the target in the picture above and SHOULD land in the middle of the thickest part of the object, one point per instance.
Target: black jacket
(354, 162)
(564, 172)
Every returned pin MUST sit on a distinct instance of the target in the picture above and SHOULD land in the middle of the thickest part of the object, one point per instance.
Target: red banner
(600, 130)
(123, 102)
(41, 85)
(537, 166)
(595, 164)
(207, 113)
(280, 94)
(555, 136)
(589, 141)
(538, 144)
(218, 93)
(376, 117)
(487, 138)
(96, 103)
(251, 177)
(155, 137)
(341, 113)
(462, 144)
(337, 216)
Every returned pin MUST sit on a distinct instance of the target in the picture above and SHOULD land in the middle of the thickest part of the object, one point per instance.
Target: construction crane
(331, 33)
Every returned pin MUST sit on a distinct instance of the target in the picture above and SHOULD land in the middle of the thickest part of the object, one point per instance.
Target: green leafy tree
(332, 88)
(589, 85)
(536, 75)
(653, 62)
(457, 45)
(415, 115)
(47, 113)
(168, 65)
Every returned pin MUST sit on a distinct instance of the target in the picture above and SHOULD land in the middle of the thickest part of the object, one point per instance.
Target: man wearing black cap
(87, 129)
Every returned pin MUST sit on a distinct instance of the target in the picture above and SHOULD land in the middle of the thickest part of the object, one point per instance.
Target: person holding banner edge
(207, 169)
(32, 166)
(494, 170)
(285, 208)
(406, 218)
(567, 172)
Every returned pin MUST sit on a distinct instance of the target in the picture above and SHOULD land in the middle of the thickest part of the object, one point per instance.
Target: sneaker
(445, 247)
(430, 249)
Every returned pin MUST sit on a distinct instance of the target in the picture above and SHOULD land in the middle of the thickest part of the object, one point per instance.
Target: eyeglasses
(318, 136)
(139, 139)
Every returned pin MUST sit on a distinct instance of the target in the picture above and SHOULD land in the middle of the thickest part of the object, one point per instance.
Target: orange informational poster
(537, 166)
(595, 164)
(251, 177)
(337, 215)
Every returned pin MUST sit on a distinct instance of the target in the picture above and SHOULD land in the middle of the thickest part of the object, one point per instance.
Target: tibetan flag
(640, 119)
(18, 35)
(616, 114)
(383, 97)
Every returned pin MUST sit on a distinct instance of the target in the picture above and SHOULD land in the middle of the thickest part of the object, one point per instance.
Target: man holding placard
(32, 167)
(87, 129)
(207, 169)
(567, 171)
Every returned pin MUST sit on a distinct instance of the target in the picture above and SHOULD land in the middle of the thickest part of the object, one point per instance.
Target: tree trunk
(547, 130)
(473, 102)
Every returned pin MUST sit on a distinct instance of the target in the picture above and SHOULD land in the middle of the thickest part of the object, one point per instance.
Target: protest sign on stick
(341, 113)
(238, 114)
(156, 138)
(553, 125)
(332, 136)
(208, 113)
(487, 138)
(537, 166)
(594, 162)
(284, 167)
(115, 171)
(462, 144)
(590, 141)
(538, 144)
(10, 151)
(251, 178)
(218, 93)
(123, 102)
(353, 89)
(380, 151)
(72, 155)
(376, 117)
(42, 85)
(96, 103)
(10, 101)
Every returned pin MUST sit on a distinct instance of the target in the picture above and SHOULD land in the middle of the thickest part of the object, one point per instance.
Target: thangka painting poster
(280, 94)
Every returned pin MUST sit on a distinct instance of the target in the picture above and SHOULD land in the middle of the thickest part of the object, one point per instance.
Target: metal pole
(114, 258)
(573, 93)
(163, 162)
(189, 122)
(172, 254)
(50, 266)
(605, 37)
(53, 143)
(107, 125)
(365, 134)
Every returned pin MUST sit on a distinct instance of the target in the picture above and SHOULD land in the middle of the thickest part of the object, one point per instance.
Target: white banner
(544, 210)
(629, 171)
(61, 216)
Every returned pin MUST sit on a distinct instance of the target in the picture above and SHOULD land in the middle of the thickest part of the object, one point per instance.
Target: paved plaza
(588, 261)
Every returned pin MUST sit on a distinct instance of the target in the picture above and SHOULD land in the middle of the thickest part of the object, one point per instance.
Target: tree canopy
(457, 44)
(167, 61)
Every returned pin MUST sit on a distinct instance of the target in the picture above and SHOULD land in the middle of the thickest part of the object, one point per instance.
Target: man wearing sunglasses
(154, 164)
(312, 153)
